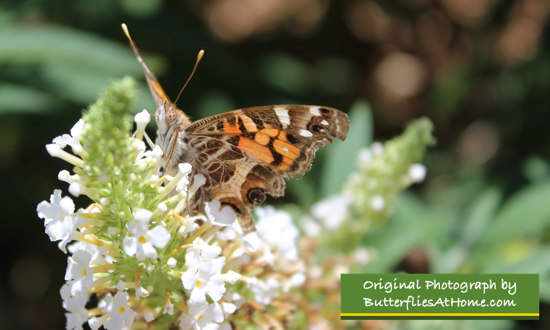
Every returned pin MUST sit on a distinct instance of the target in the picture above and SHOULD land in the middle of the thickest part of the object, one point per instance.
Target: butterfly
(243, 154)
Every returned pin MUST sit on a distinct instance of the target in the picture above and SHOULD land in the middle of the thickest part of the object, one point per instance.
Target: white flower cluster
(145, 265)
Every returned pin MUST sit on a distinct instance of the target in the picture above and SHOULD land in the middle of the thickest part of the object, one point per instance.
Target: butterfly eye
(256, 196)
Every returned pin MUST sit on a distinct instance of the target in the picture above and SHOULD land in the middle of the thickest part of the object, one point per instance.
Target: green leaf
(50, 44)
(526, 212)
(479, 215)
(412, 225)
(544, 288)
(536, 262)
(341, 158)
(74, 65)
(19, 99)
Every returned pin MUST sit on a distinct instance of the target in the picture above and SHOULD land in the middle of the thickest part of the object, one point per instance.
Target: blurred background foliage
(480, 69)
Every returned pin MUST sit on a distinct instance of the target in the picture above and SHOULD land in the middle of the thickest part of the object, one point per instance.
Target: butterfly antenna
(199, 58)
(134, 47)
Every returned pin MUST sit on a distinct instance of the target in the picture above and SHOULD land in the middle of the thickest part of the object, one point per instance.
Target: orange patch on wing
(255, 149)
(231, 128)
(282, 136)
(286, 149)
(270, 131)
(285, 163)
(261, 138)
(248, 124)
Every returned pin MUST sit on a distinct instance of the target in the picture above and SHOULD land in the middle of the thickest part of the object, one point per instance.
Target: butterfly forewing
(243, 154)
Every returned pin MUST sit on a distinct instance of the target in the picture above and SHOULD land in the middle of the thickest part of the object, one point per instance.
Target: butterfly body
(243, 154)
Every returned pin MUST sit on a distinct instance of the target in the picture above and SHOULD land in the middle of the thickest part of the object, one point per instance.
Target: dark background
(480, 69)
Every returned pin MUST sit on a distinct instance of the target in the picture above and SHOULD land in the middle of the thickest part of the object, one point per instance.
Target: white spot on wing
(315, 111)
(282, 114)
(305, 133)
(324, 122)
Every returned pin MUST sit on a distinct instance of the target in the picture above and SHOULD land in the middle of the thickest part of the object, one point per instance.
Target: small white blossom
(119, 312)
(72, 140)
(75, 187)
(227, 233)
(143, 241)
(162, 207)
(332, 211)
(198, 181)
(252, 242)
(156, 153)
(235, 298)
(321, 324)
(113, 231)
(140, 145)
(121, 285)
(310, 226)
(276, 229)
(80, 218)
(168, 308)
(339, 270)
(377, 148)
(190, 225)
(149, 317)
(54, 150)
(296, 280)
(141, 292)
(201, 254)
(264, 291)
(99, 254)
(203, 276)
(315, 272)
(79, 274)
(365, 156)
(377, 203)
(184, 171)
(171, 262)
(417, 172)
(220, 216)
(205, 281)
(361, 256)
(76, 307)
(142, 119)
(228, 308)
(202, 316)
(146, 157)
(58, 218)
(94, 323)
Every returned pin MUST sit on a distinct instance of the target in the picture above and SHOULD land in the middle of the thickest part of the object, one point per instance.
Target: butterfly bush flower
(136, 260)
(203, 276)
(143, 241)
(79, 273)
(202, 315)
(58, 218)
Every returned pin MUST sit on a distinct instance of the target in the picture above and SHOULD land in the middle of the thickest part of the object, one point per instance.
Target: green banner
(439, 296)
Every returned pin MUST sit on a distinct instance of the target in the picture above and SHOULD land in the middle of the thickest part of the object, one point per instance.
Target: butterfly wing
(156, 89)
(245, 154)
(170, 119)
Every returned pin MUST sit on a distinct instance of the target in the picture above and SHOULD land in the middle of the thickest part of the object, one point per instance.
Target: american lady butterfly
(243, 154)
